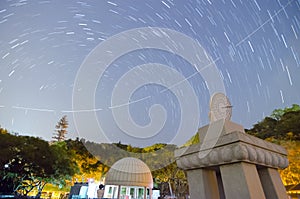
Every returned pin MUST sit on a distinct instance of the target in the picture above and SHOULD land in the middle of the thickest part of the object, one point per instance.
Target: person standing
(100, 191)
(92, 189)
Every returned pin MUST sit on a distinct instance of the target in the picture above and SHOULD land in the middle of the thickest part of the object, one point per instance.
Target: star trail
(254, 44)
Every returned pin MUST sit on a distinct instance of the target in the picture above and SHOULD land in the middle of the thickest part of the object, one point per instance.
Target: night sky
(45, 50)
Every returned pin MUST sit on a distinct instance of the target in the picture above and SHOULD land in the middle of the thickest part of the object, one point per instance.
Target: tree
(3, 131)
(278, 113)
(291, 175)
(65, 165)
(171, 180)
(289, 124)
(30, 163)
(283, 124)
(265, 129)
(61, 129)
(90, 166)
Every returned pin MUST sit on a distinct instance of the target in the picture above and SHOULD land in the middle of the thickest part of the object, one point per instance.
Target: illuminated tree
(278, 113)
(3, 131)
(90, 166)
(61, 129)
(291, 175)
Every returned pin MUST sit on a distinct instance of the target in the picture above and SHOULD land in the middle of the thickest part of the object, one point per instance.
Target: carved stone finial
(220, 107)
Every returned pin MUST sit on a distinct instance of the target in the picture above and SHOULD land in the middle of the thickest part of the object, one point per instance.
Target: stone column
(272, 184)
(203, 184)
(241, 180)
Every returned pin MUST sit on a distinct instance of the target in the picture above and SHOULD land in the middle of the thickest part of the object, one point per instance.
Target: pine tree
(61, 129)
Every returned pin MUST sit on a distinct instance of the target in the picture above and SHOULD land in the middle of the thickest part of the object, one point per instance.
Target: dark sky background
(255, 45)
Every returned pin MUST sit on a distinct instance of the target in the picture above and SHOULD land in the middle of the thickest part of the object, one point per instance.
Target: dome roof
(129, 172)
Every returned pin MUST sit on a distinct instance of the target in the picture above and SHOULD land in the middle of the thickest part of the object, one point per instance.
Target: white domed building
(128, 178)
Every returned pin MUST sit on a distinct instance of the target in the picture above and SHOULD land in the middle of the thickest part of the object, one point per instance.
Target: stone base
(231, 148)
(228, 163)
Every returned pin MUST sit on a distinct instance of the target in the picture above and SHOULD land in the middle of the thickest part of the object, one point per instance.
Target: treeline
(29, 163)
(283, 124)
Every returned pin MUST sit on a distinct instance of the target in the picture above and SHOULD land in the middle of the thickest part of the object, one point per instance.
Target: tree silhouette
(61, 129)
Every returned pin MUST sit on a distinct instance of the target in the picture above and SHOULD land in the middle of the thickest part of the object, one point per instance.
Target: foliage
(61, 129)
(291, 175)
(64, 165)
(3, 131)
(278, 113)
(90, 166)
(283, 124)
(193, 140)
(30, 163)
(174, 178)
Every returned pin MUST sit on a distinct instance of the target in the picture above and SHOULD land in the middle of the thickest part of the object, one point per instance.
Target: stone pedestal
(232, 164)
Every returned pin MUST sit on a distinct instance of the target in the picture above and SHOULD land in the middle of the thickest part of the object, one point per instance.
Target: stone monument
(230, 164)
